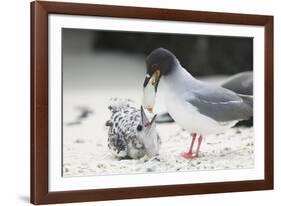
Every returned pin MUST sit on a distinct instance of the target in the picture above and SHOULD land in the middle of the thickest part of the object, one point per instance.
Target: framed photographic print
(133, 102)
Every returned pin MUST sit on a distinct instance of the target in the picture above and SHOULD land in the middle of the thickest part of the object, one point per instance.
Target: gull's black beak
(150, 86)
(152, 79)
(146, 80)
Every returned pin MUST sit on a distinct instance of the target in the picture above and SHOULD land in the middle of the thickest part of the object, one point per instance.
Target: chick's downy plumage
(130, 133)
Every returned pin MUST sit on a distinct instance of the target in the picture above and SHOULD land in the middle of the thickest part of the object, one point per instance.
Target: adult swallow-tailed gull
(241, 83)
(198, 107)
(130, 133)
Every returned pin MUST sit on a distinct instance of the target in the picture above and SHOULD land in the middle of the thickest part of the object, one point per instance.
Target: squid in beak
(150, 86)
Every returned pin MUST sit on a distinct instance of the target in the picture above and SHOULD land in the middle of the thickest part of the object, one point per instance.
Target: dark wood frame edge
(39, 102)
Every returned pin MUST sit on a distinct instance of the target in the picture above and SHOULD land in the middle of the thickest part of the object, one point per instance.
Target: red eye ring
(154, 66)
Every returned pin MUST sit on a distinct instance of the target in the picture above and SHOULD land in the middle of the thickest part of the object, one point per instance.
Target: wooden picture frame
(39, 102)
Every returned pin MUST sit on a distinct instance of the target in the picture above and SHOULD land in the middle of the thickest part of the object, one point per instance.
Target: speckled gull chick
(130, 133)
(198, 107)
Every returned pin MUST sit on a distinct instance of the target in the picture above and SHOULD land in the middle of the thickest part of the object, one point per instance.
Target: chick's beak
(149, 90)
(145, 119)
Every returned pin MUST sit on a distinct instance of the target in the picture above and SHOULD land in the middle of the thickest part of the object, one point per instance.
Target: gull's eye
(154, 66)
(139, 128)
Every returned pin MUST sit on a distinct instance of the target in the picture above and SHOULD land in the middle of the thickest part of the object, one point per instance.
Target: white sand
(90, 80)
(85, 151)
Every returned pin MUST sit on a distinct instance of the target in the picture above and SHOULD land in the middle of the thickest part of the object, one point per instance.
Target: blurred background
(102, 59)
(100, 65)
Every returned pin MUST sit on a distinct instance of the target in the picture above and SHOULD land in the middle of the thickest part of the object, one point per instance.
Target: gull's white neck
(177, 85)
(179, 79)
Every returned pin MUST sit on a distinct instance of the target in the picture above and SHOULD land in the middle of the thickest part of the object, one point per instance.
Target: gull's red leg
(189, 154)
(198, 146)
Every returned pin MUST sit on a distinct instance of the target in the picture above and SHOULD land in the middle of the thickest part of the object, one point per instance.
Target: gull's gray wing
(220, 104)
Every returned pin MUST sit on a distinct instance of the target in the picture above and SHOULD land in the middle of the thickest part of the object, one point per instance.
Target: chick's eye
(139, 127)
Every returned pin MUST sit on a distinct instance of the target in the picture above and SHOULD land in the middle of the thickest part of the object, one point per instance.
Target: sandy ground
(90, 80)
(85, 151)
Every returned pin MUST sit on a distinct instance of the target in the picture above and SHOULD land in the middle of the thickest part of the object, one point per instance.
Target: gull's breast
(188, 116)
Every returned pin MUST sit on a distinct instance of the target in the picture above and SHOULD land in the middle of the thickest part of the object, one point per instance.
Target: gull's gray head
(159, 62)
(160, 59)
